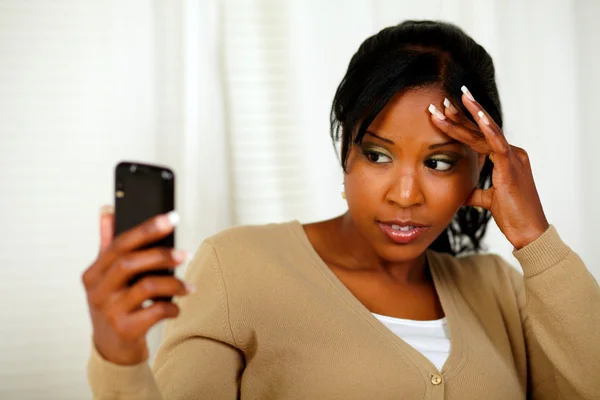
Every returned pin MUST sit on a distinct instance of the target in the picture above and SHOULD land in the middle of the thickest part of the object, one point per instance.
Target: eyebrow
(379, 137)
(436, 145)
(432, 147)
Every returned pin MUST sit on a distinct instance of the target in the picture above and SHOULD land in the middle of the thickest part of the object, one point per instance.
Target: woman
(375, 303)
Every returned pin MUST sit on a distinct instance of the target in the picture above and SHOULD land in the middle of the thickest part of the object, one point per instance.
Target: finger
(481, 198)
(146, 233)
(127, 267)
(152, 287)
(474, 139)
(136, 325)
(91, 275)
(489, 128)
(521, 154)
(474, 108)
(107, 228)
(451, 112)
(457, 116)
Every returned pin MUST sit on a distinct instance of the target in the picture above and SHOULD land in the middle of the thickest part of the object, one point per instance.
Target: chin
(401, 252)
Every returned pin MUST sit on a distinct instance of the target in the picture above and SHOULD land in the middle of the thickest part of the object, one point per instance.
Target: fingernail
(467, 93)
(450, 106)
(179, 255)
(173, 218)
(107, 209)
(167, 221)
(435, 112)
(483, 117)
(189, 287)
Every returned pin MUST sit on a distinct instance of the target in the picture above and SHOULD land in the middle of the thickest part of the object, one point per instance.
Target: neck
(363, 257)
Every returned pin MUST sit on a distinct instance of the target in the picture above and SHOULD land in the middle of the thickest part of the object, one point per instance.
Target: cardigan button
(436, 379)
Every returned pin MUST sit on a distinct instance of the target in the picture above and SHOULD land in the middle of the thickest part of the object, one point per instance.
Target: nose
(406, 191)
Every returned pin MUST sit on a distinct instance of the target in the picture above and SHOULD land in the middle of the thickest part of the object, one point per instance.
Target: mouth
(402, 232)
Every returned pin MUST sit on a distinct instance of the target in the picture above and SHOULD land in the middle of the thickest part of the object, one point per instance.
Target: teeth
(402, 228)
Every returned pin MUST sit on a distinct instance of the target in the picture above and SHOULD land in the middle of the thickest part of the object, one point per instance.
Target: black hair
(411, 55)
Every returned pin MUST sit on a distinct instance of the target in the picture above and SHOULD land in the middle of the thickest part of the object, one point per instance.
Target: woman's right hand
(119, 320)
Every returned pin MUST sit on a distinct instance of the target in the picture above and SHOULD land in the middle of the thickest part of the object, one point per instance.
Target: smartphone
(143, 191)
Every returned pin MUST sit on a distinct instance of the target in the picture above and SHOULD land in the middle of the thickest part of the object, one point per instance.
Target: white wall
(83, 85)
(299, 49)
(588, 52)
(77, 94)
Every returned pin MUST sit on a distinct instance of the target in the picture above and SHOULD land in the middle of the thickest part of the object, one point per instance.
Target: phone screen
(143, 191)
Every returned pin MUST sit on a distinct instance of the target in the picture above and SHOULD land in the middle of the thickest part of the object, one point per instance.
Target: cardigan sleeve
(559, 302)
(198, 358)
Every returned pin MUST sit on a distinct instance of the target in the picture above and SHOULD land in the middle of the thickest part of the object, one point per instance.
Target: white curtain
(235, 96)
(283, 61)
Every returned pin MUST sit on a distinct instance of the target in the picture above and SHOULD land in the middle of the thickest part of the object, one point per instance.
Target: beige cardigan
(271, 321)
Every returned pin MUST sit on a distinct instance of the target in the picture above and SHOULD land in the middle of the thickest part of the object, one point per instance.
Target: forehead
(406, 117)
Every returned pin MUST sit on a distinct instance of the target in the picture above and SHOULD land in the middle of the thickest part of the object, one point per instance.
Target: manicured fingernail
(179, 255)
(483, 117)
(467, 93)
(450, 106)
(173, 218)
(435, 112)
(189, 287)
(107, 209)
(147, 303)
(167, 221)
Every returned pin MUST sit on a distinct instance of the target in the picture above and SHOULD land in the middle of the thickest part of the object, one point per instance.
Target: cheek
(447, 194)
(361, 186)
(364, 185)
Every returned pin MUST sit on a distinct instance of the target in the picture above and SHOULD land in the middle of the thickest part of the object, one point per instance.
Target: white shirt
(430, 338)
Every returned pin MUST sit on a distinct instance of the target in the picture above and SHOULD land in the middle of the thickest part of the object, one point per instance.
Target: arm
(198, 358)
(559, 301)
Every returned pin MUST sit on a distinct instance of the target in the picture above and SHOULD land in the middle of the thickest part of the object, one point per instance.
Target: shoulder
(474, 265)
(485, 272)
(486, 282)
(246, 237)
(256, 245)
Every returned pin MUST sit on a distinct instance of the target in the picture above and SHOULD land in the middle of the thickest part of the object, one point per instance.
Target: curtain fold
(284, 60)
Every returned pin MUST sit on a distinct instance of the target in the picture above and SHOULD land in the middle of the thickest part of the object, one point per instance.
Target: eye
(377, 157)
(440, 165)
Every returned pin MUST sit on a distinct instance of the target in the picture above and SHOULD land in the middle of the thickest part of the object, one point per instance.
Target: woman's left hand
(513, 198)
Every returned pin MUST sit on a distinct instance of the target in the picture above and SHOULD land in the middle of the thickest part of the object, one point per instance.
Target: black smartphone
(143, 191)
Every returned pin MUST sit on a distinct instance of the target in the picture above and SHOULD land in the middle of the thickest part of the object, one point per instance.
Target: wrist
(531, 235)
(121, 355)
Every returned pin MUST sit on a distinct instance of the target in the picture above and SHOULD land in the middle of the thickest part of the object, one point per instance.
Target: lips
(402, 232)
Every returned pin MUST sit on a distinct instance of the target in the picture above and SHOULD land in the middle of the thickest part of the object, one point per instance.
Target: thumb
(107, 226)
(481, 198)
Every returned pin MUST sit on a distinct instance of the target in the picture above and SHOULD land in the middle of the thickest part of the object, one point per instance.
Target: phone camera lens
(133, 168)
(167, 175)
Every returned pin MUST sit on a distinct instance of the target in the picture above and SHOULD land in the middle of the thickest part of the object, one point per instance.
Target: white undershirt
(430, 338)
